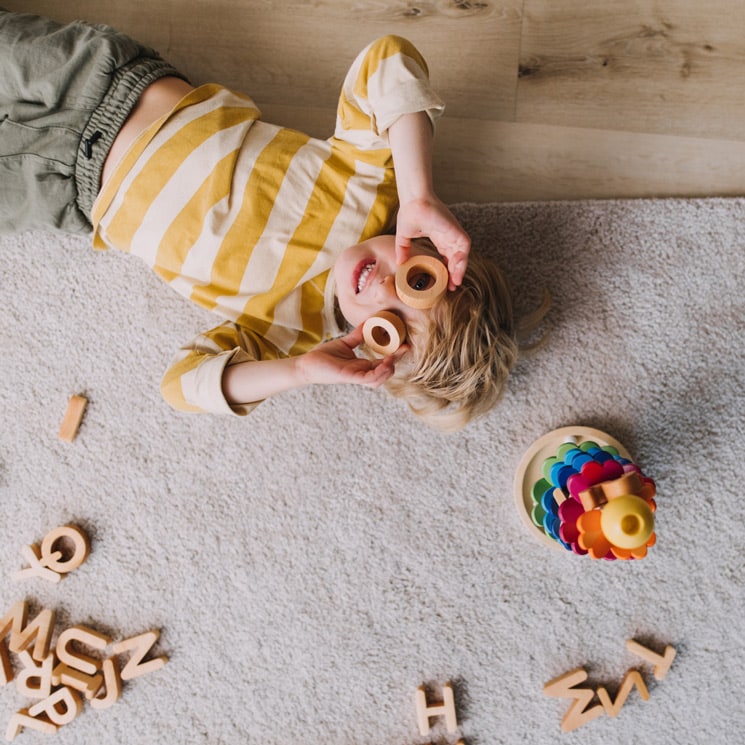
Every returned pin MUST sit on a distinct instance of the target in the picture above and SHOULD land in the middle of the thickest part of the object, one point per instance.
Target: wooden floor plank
(559, 99)
(502, 161)
(638, 65)
(297, 52)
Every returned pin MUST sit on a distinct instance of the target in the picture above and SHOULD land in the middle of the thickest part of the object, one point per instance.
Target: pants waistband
(127, 85)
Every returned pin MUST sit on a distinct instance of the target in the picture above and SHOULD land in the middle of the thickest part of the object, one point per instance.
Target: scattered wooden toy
(565, 687)
(72, 419)
(580, 712)
(47, 562)
(577, 488)
(661, 662)
(59, 680)
(446, 709)
(631, 679)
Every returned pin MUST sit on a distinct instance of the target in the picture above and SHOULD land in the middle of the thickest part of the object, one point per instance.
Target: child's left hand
(335, 362)
(431, 218)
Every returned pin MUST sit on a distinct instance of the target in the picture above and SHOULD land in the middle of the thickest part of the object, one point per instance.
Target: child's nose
(386, 288)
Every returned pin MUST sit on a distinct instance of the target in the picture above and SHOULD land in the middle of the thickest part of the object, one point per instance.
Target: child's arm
(329, 363)
(388, 106)
(222, 371)
(421, 212)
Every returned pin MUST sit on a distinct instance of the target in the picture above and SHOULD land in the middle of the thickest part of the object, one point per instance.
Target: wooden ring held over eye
(384, 332)
(422, 264)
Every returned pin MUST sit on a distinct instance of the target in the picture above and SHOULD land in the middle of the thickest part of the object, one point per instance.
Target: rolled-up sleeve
(388, 79)
(193, 381)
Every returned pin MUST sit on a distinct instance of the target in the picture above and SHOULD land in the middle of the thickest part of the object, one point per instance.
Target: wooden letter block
(50, 564)
(6, 669)
(22, 719)
(77, 661)
(22, 634)
(37, 566)
(661, 662)
(112, 685)
(31, 671)
(88, 685)
(140, 646)
(73, 416)
(578, 713)
(445, 709)
(54, 559)
(631, 679)
(61, 707)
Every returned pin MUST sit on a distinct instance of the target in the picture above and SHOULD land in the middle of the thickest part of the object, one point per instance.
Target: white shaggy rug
(313, 564)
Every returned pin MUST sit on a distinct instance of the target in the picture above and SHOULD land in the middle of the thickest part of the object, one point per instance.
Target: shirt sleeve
(388, 79)
(193, 381)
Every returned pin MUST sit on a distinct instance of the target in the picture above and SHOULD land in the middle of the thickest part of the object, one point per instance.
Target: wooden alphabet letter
(112, 685)
(22, 634)
(61, 707)
(54, 559)
(140, 645)
(578, 713)
(446, 709)
(631, 679)
(78, 661)
(22, 719)
(88, 685)
(31, 671)
(37, 565)
(661, 662)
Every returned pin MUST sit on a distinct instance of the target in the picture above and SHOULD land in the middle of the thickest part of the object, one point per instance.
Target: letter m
(23, 634)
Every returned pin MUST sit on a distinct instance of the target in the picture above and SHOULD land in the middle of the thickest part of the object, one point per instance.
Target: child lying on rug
(282, 235)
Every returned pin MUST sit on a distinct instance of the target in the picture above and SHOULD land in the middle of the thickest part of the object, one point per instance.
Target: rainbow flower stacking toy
(577, 488)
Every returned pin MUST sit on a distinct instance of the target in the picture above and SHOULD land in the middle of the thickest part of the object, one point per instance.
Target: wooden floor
(547, 99)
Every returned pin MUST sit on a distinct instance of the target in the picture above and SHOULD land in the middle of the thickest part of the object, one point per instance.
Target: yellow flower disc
(627, 522)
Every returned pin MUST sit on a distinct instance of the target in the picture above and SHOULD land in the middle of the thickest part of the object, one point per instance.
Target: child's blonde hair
(457, 368)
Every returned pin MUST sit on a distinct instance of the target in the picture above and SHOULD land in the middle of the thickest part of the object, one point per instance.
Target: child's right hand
(335, 362)
(431, 218)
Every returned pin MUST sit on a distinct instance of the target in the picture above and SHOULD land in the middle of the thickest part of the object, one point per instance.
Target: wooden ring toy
(421, 264)
(81, 549)
(384, 332)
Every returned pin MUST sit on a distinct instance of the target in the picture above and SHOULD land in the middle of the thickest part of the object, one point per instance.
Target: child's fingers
(370, 377)
(456, 269)
(380, 373)
(403, 248)
(354, 338)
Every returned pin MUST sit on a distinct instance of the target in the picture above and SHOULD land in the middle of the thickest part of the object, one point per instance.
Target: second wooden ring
(384, 332)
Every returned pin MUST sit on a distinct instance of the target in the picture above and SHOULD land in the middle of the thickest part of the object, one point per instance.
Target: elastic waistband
(127, 85)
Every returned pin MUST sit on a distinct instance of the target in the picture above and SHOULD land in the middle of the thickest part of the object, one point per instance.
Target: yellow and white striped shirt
(246, 218)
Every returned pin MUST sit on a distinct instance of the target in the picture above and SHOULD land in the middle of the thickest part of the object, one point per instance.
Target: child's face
(365, 276)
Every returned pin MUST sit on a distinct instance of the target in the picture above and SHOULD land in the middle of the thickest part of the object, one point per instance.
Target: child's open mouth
(362, 274)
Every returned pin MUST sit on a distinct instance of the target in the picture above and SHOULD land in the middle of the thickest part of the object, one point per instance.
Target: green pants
(65, 91)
